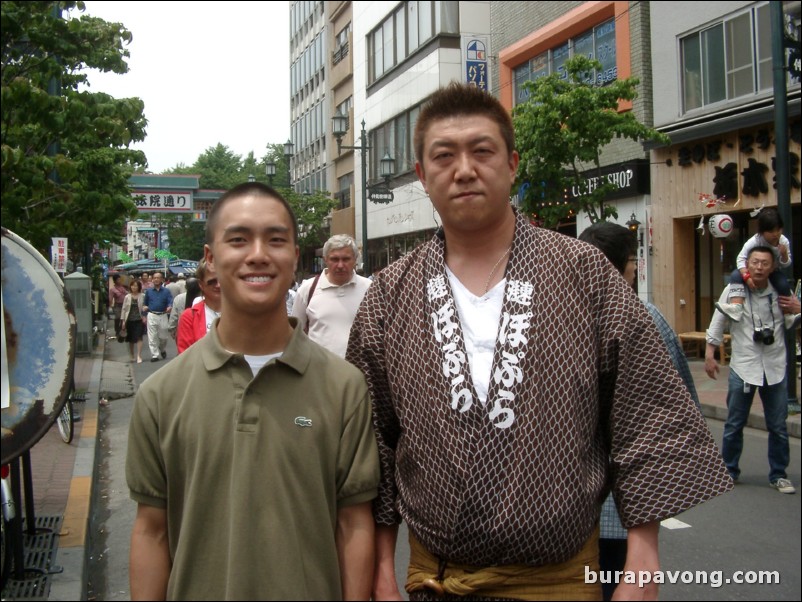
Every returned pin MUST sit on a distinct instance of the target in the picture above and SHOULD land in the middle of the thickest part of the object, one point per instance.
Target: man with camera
(758, 363)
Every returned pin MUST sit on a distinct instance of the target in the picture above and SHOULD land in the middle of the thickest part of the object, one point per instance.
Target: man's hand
(711, 365)
(789, 305)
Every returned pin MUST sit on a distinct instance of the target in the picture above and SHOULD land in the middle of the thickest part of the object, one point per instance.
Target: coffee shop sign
(620, 179)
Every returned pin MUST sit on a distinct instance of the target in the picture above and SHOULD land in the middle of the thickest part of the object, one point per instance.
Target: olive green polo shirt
(252, 469)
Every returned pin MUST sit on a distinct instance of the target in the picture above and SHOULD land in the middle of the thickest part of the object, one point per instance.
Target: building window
(340, 45)
(344, 109)
(343, 194)
(596, 43)
(396, 138)
(727, 60)
(408, 28)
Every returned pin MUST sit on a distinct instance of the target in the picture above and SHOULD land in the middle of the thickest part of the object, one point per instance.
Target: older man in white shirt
(326, 304)
(758, 363)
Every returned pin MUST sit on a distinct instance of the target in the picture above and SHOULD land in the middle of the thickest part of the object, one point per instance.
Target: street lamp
(339, 126)
(251, 178)
(634, 225)
(288, 151)
(270, 171)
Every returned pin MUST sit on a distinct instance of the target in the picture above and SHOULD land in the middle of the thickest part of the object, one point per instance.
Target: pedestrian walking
(158, 303)
(133, 321)
(117, 293)
(326, 304)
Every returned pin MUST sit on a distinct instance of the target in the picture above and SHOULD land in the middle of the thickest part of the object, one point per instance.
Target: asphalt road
(735, 536)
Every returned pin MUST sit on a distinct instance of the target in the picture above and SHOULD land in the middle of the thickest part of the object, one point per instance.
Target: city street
(753, 528)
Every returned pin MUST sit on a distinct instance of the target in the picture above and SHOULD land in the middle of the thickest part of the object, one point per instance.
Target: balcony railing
(339, 54)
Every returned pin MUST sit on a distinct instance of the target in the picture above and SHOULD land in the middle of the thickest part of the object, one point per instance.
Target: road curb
(755, 421)
(72, 553)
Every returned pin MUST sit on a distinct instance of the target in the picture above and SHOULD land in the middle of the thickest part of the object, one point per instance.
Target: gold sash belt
(563, 581)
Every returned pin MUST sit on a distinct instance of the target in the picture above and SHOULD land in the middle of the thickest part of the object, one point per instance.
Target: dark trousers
(118, 322)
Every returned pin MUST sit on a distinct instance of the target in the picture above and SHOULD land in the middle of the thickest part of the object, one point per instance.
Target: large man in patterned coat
(516, 378)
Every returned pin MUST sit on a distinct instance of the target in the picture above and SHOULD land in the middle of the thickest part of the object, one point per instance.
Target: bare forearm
(642, 557)
(354, 540)
(385, 586)
(150, 562)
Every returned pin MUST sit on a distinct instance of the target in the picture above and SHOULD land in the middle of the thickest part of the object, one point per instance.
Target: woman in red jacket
(196, 321)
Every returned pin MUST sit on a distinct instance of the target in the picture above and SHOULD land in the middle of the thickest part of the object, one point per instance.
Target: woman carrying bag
(133, 324)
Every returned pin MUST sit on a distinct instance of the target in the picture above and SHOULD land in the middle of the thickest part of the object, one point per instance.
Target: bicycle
(6, 535)
(67, 417)
(66, 421)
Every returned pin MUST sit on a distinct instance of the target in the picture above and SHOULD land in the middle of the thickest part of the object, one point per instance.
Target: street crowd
(491, 389)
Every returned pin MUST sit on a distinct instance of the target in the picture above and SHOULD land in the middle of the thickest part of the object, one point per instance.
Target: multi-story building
(714, 96)
(536, 38)
(401, 53)
(388, 57)
(341, 101)
(309, 113)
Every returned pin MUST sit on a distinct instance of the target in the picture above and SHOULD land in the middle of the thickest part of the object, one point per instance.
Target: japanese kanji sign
(163, 202)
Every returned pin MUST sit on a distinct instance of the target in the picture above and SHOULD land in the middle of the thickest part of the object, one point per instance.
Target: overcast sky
(208, 72)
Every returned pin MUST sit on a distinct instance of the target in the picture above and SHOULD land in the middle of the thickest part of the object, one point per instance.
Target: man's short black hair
(614, 240)
(248, 189)
(761, 249)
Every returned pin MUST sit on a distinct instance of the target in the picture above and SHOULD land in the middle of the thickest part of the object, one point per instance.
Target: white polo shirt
(331, 310)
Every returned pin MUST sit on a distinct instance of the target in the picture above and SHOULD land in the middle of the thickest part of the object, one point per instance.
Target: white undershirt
(211, 315)
(257, 362)
(479, 317)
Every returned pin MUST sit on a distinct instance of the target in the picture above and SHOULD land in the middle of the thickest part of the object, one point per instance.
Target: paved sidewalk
(64, 474)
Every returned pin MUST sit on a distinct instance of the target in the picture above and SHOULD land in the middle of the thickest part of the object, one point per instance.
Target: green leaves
(65, 153)
(561, 132)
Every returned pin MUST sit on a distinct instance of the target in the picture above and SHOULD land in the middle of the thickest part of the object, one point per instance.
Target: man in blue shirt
(158, 303)
(620, 246)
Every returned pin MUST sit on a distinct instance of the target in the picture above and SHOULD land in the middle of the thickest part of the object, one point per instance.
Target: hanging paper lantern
(720, 225)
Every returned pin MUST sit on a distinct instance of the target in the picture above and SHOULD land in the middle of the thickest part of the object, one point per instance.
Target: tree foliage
(561, 132)
(220, 168)
(186, 236)
(65, 151)
(311, 211)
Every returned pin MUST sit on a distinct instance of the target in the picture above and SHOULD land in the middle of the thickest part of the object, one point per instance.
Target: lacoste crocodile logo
(303, 421)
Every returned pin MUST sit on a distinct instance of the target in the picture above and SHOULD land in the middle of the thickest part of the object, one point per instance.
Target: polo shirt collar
(325, 283)
(297, 354)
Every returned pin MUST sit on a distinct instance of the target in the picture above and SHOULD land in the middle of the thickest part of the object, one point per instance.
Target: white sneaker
(733, 311)
(791, 321)
(783, 486)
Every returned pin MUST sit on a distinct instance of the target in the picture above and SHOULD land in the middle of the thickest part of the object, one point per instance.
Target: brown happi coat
(579, 375)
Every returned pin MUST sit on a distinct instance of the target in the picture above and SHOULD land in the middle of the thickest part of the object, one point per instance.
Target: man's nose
(465, 167)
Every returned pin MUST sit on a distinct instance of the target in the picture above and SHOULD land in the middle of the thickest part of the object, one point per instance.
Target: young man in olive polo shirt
(251, 455)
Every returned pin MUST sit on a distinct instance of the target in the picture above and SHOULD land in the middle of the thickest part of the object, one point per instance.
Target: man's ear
(208, 255)
(421, 175)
